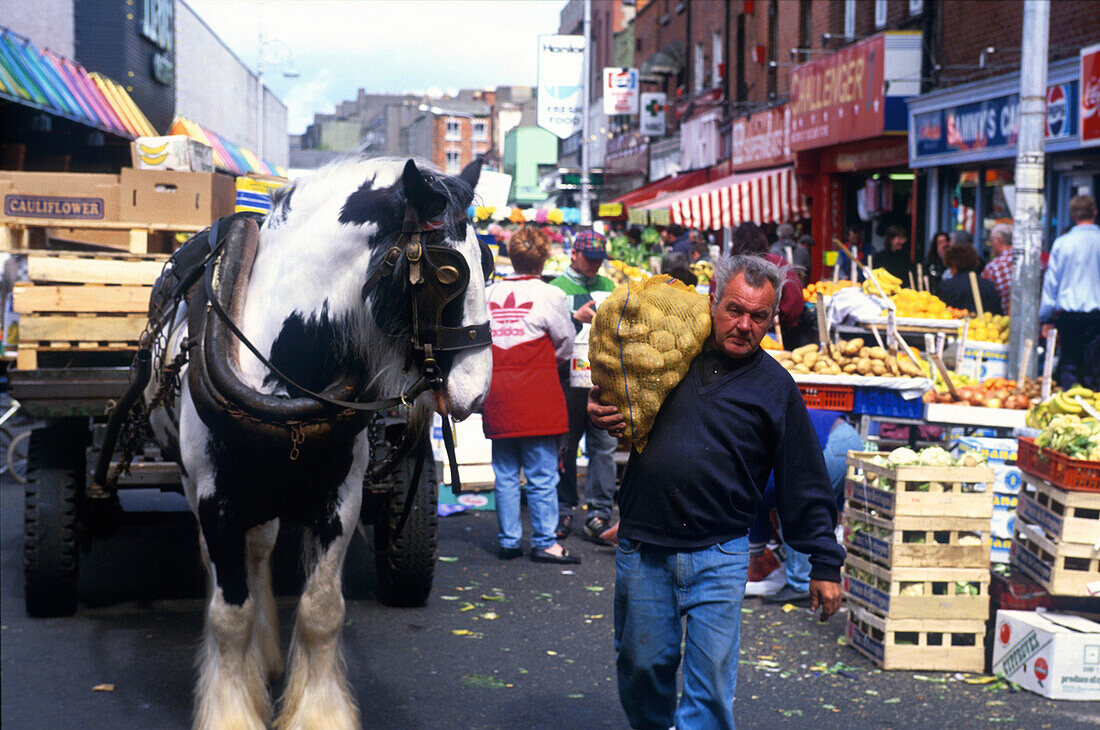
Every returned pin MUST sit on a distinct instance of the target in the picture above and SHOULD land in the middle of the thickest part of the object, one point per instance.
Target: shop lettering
(554, 48)
(967, 128)
(841, 84)
(1021, 653)
(36, 206)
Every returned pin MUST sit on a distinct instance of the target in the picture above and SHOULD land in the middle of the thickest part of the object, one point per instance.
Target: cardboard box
(254, 192)
(159, 197)
(982, 360)
(59, 196)
(173, 152)
(1056, 655)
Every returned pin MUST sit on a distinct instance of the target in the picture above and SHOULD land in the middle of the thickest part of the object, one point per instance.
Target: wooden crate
(79, 303)
(880, 590)
(909, 541)
(1065, 516)
(938, 645)
(922, 491)
(1062, 568)
(26, 235)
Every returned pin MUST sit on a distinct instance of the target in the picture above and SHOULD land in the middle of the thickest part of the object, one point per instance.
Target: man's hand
(586, 314)
(824, 593)
(606, 417)
(1045, 330)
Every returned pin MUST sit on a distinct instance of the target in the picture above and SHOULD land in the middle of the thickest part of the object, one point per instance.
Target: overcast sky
(383, 46)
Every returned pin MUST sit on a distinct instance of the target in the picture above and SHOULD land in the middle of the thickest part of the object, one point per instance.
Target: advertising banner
(560, 81)
(653, 114)
(620, 91)
(760, 140)
(1090, 95)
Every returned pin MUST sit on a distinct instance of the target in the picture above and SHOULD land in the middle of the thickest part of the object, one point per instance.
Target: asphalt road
(499, 645)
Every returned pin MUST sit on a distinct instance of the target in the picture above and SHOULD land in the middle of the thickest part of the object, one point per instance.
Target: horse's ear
(427, 202)
(471, 173)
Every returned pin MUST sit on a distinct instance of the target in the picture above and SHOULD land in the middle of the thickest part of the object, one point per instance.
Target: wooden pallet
(938, 645)
(1062, 568)
(1065, 516)
(880, 589)
(24, 235)
(922, 491)
(909, 541)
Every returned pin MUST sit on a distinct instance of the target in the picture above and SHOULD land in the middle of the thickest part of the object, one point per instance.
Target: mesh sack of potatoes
(643, 339)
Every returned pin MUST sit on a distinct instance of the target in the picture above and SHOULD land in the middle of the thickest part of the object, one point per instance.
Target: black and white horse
(314, 305)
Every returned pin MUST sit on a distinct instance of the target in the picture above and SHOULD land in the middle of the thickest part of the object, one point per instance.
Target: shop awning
(46, 81)
(228, 156)
(769, 196)
(664, 186)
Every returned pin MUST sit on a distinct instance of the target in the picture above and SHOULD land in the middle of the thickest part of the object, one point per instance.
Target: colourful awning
(43, 80)
(228, 156)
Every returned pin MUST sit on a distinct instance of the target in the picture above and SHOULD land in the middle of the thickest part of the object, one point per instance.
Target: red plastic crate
(828, 397)
(1057, 468)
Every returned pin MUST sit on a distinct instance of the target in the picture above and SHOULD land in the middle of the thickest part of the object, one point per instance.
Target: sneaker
(565, 527)
(771, 583)
(787, 595)
(594, 527)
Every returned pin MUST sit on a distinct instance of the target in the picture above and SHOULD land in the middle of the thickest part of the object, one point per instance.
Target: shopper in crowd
(784, 241)
(1071, 296)
(853, 239)
(683, 544)
(680, 239)
(803, 257)
(700, 251)
(933, 261)
(957, 291)
(748, 238)
(524, 413)
(579, 282)
(999, 270)
(896, 258)
(956, 237)
(672, 260)
(684, 274)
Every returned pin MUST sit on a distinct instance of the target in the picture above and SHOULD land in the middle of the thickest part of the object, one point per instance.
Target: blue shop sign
(992, 124)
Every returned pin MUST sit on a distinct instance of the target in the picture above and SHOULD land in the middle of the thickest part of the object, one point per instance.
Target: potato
(809, 359)
(878, 367)
(878, 353)
(850, 367)
(892, 365)
(864, 352)
(863, 367)
(821, 367)
(796, 357)
(800, 369)
(852, 347)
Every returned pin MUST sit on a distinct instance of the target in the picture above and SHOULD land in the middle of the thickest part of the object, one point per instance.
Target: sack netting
(643, 339)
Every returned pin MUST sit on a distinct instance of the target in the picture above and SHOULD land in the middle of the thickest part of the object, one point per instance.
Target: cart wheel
(50, 550)
(16, 464)
(406, 568)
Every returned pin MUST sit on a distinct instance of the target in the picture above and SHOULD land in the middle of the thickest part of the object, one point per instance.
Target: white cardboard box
(172, 152)
(1055, 655)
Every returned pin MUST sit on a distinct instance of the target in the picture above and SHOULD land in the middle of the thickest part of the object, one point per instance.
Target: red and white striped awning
(769, 196)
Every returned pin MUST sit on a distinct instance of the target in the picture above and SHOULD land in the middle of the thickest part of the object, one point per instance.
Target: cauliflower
(902, 456)
(935, 456)
(971, 458)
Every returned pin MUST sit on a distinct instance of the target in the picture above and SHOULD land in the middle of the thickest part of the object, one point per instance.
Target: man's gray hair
(961, 236)
(1004, 230)
(757, 271)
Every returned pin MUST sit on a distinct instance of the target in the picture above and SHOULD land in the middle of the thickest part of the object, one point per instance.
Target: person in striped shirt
(999, 270)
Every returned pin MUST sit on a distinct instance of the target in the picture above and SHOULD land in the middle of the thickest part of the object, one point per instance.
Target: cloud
(308, 97)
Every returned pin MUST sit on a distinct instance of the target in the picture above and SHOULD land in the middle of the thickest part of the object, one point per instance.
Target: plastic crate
(828, 397)
(1057, 468)
(886, 402)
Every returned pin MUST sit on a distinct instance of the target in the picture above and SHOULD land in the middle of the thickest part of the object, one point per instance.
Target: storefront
(962, 141)
(847, 126)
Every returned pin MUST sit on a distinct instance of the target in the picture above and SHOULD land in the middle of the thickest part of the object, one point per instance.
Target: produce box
(928, 491)
(1062, 568)
(473, 452)
(944, 645)
(828, 397)
(59, 196)
(1004, 513)
(910, 541)
(1055, 655)
(171, 152)
(917, 592)
(1015, 591)
(254, 192)
(1058, 469)
(1002, 546)
(172, 197)
(1064, 516)
(886, 402)
(981, 360)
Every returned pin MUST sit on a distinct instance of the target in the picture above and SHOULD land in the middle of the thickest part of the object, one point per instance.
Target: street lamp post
(289, 73)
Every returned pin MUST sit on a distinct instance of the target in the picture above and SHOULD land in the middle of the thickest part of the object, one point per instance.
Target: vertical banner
(1090, 95)
(653, 114)
(561, 78)
(620, 91)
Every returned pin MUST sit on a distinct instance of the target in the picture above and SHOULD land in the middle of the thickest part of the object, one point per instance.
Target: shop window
(454, 162)
(849, 19)
(480, 130)
(976, 208)
(454, 129)
(880, 14)
(717, 70)
(700, 69)
(916, 7)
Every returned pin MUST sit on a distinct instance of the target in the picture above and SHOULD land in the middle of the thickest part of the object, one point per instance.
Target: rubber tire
(55, 472)
(406, 570)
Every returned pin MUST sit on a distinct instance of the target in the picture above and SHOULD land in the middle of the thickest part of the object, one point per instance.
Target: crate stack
(917, 574)
(1056, 538)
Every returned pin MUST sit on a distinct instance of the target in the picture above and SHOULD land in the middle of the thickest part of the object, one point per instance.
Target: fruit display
(826, 288)
(703, 270)
(990, 393)
(929, 456)
(988, 328)
(1063, 403)
(923, 305)
(556, 264)
(1076, 437)
(852, 357)
(889, 283)
(621, 272)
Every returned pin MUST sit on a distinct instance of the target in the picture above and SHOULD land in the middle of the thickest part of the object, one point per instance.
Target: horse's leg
(259, 542)
(317, 695)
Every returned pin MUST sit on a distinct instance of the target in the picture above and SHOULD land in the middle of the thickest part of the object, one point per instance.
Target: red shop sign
(1090, 95)
(760, 140)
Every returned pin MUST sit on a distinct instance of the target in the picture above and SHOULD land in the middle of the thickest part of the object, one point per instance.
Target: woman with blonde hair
(524, 414)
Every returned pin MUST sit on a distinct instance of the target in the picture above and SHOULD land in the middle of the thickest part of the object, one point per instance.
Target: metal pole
(1027, 236)
(586, 191)
(260, 94)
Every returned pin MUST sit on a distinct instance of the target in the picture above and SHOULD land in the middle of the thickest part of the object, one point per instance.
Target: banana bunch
(1062, 403)
(890, 284)
(703, 270)
(622, 272)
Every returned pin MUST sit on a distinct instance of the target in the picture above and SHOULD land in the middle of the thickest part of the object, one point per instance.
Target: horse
(357, 283)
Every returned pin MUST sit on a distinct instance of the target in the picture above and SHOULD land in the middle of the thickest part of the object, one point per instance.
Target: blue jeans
(654, 588)
(599, 446)
(538, 455)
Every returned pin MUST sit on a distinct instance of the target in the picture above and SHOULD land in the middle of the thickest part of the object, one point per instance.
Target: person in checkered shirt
(999, 270)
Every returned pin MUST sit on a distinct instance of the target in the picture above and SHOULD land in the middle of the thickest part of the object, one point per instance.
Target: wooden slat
(35, 328)
(93, 270)
(100, 225)
(31, 298)
(26, 359)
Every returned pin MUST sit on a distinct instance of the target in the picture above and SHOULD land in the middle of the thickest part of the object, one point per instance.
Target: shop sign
(1090, 95)
(761, 140)
(992, 124)
(627, 153)
(858, 92)
(560, 79)
(653, 106)
(157, 25)
(620, 91)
